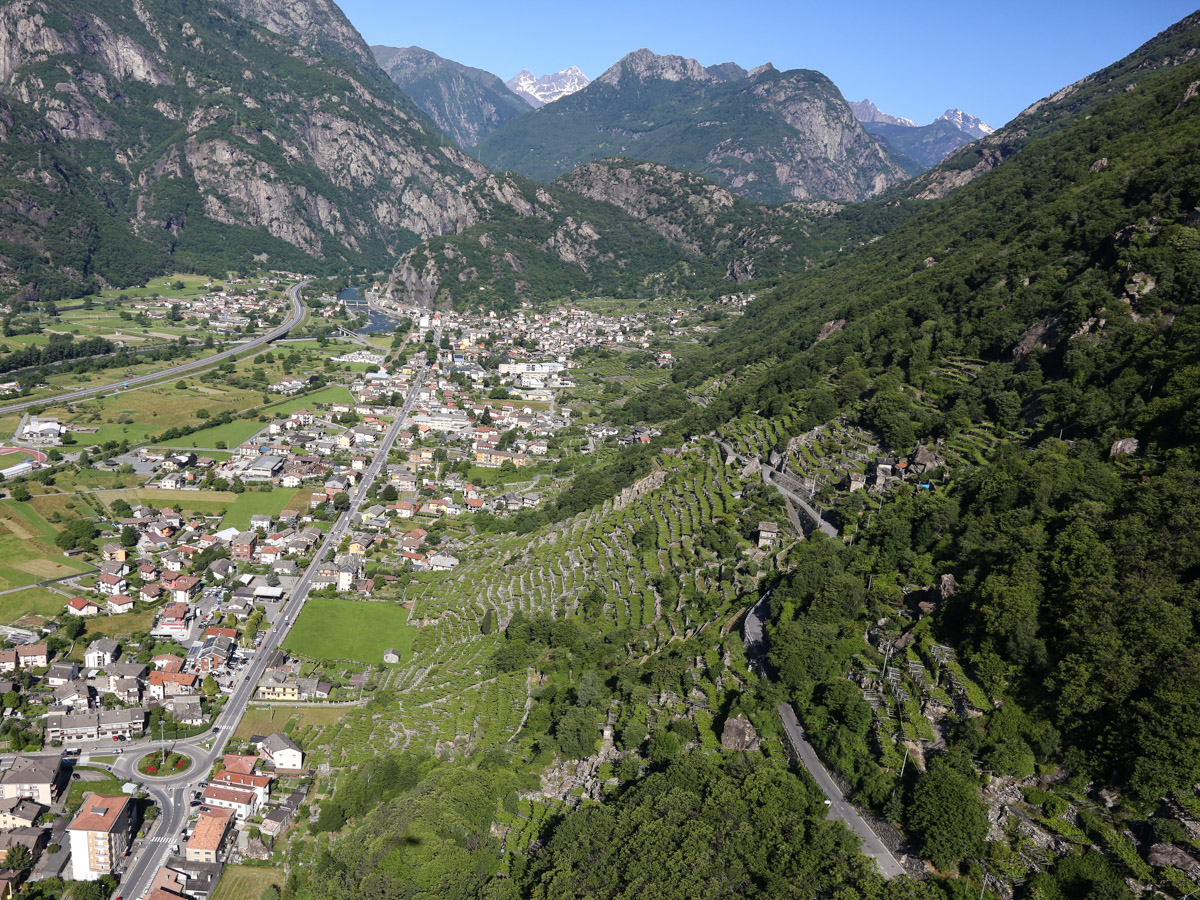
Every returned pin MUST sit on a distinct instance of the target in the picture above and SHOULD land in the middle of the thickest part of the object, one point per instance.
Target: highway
(295, 317)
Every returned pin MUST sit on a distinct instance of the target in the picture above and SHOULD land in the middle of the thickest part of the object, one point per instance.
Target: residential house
(101, 652)
(78, 606)
(208, 840)
(171, 684)
(173, 620)
(95, 724)
(25, 656)
(243, 803)
(61, 672)
(119, 604)
(242, 547)
(151, 593)
(259, 784)
(282, 751)
(100, 835)
(19, 812)
(186, 588)
(37, 778)
(114, 552)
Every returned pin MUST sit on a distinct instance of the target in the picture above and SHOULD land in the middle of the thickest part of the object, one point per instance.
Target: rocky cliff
(215, 139)
(464, 102)
(769, 136)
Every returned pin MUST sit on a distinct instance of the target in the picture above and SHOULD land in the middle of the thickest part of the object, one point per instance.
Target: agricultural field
(246, 882)
(27, 551)
(449, 697)
(233, 433)
(141, 619)
(253, 503)
(35, 600)
(332, 628)
(203, 503)
(288, 720)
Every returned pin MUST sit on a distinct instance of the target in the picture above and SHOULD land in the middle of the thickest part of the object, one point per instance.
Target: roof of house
(104, 645)
(100, 812)
(32, 770)
(275, 742)
(210, 829)
(239, 763)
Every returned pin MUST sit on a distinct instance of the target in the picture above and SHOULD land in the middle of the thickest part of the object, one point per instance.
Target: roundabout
(163, 764)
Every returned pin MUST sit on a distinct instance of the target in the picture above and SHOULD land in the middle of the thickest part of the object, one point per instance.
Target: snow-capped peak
(548, 88)
(973, 126)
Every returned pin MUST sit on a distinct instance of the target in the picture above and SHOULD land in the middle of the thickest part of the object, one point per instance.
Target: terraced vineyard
(448, 698)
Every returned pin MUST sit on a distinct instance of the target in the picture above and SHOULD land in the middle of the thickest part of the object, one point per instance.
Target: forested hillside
(1030, 347)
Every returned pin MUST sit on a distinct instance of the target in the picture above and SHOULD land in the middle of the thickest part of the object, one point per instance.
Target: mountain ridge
(465, 102)
(537, 91)
(770, 136)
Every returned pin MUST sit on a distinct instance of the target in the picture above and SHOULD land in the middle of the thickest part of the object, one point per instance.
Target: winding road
(295, 317)
(839, 808)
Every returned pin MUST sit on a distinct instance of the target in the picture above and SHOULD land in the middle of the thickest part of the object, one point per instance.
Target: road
(769, 476)
(173, 794)
(295, 316)
(839, 808)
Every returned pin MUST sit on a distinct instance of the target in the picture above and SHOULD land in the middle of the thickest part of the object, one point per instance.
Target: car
(116, 737)
(74, 776)
(216, 728)
(202, 784)
(194, 803)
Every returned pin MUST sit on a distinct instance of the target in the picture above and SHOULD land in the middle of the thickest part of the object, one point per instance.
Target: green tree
(341, 501)
(209, 687)
(18, 857)
(129, 536)
(947, 815)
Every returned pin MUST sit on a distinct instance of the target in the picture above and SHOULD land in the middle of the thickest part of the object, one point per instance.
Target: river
(376, 321)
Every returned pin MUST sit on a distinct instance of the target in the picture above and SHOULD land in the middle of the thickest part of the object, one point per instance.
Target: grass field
(332, 628)
(211, 503)
(126, 623)
(275, 718)
(254, 503)
(246, 882)
(32, 600)
(233, 433)
(27, 551)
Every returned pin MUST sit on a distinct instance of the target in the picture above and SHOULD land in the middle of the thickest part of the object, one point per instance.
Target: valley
(681, 483)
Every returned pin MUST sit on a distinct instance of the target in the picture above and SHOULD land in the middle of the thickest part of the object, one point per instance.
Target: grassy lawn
(275, 718)
(200, 502)
(245, 882)
(38, 601)
(332, 628)
(254, 503)
(126, 623)
(106, 785)
(27, 551)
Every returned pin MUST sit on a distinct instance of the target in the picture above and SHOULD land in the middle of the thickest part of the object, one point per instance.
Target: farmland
(257, 503)
(27, 550)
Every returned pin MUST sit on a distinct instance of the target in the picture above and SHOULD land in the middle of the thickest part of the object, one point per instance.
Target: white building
(99, 835)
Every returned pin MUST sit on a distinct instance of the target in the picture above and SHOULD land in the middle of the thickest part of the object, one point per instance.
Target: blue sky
(912, 59)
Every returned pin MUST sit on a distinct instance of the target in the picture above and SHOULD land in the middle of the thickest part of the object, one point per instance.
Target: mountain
(972, 125)
(867, 112)
(537, 92)
(769, 136)
(1047, 305)
(319, 25)
(920, 147)
(178, 134)
(616, 226)
(1173, 47)
(924, 146)
(466, 103)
